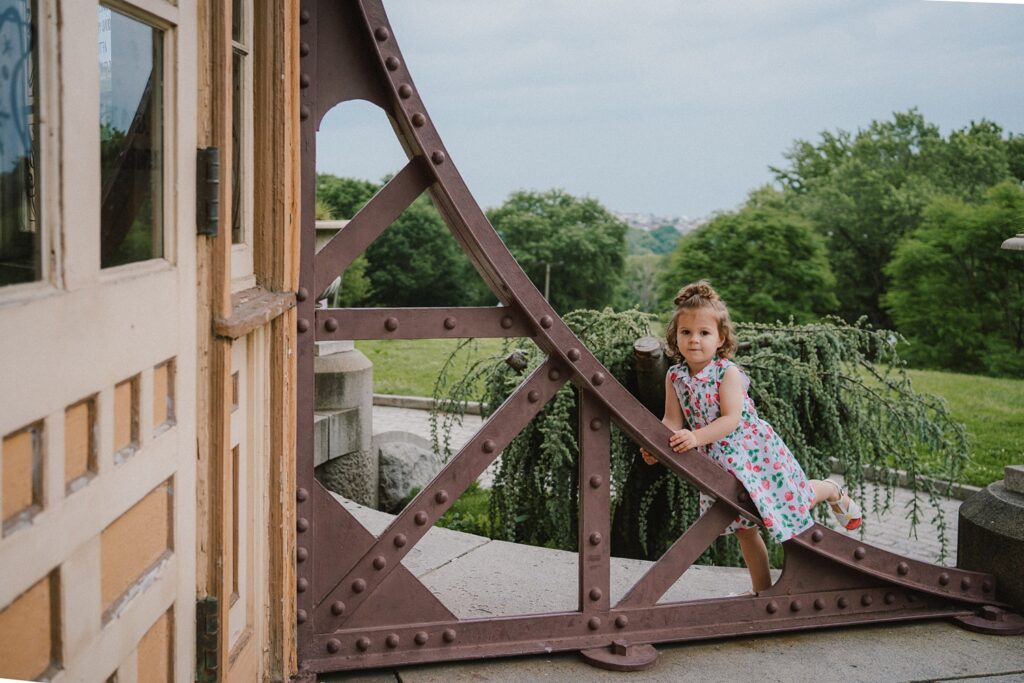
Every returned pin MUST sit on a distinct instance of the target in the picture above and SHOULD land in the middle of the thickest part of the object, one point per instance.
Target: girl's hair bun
(701, 289)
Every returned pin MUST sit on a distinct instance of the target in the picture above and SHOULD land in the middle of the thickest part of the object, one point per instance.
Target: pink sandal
(847, 513)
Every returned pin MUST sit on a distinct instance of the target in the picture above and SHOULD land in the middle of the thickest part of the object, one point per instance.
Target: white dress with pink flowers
(754, 453)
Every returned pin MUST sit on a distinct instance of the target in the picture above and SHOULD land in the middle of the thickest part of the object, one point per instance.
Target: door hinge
(207, 191)
(207, 639)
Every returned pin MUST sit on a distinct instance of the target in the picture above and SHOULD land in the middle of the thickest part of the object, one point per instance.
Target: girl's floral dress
(754, 453)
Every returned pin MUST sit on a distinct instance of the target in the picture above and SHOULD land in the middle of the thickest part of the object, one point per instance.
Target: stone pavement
(886, 524)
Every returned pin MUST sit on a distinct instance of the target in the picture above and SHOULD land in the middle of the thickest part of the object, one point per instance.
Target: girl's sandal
(846, 512)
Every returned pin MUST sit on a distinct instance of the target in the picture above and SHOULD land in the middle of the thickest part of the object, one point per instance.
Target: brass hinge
(207, 191)
(207, 639)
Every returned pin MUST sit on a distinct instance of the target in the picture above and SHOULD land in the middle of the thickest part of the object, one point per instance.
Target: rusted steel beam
(360, 580)
(677, 559)
(421, 323)
(594, 537)
(367, 225)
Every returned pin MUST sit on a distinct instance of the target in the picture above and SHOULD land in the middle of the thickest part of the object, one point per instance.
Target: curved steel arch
(358, 607)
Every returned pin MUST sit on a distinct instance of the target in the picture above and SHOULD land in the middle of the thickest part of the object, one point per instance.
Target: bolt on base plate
(994, 621)
(621, 656)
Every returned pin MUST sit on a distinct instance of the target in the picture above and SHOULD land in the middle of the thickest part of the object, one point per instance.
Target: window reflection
(19, 226)
(131, 139)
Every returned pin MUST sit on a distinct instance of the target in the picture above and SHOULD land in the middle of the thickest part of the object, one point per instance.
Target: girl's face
(697, 337)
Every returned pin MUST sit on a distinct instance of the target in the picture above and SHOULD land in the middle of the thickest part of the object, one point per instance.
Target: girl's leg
(755, 555)
(846, 511)
(824, 491)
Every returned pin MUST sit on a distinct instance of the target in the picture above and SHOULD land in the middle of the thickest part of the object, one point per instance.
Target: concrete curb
(418, 403)
(870, 473)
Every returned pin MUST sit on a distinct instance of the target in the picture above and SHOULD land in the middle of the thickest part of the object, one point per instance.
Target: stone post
(345, 462)
(991, 535)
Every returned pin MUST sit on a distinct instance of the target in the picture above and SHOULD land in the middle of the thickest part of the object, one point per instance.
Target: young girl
(708, 409)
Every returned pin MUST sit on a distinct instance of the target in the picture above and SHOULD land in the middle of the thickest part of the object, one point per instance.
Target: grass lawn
(993, 412)
(410, 367)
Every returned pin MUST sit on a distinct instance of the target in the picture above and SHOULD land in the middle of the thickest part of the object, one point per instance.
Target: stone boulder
(406, 461)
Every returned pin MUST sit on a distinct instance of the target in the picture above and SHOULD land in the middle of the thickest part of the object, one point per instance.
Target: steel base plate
(993, 621)
(619, 656)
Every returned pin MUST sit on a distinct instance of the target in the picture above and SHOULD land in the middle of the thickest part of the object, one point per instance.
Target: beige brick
(134, 542)
(79, 444)
(22, 458)
(26, 633)
(155, 653)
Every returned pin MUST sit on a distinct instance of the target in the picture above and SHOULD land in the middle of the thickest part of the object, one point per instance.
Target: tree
(766, 262)
(865, 191)
(955, 295)
(581, 242)
(639, 283)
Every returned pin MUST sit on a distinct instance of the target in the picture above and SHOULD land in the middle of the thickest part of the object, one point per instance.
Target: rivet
(301, 495)
(554, 374)
(303, 49)
(943, 578)
(333, 645)
(986, 585)
(331, 325)
(301, 554)
(596, 424)
(301, 616)
(595, 538)
(303, 112)
(488, 446)
(902, 568)
(400, 540)
(911, 597)
(392, 63)
(441, 496)
(533, 396)
(866, 599)
(391, 640)
(596, 481)
(420, 638)
(379, 562)
(363, 644)
(859, 553)
(448, 635)
(337, 608)
(391, 324)
(817, 535)
(890, 598)
(594, 623)
(819, 604)
(404, 91)
(302, 294)
(304, 17)
(303, 325)
(772, 607)
(449, 323)
(506, 322)
(302, 584)
(842, 602)
(595, 593)
(438, 157)
(303, 80)
(965, 583)
(418, 120)
(381, 34)
(598, 378)
(358, 586)
(574, 354)
(302, 524)
(420, 518)
(796, 606)
(744, 496)
(622, 621)
(546, 321)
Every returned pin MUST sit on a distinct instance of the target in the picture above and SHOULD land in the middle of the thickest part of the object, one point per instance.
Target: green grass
(411, 367)
(992, 410)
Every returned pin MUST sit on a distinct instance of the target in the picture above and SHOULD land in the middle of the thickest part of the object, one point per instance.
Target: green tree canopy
(583, 243)
(766, 262)
(955, 295)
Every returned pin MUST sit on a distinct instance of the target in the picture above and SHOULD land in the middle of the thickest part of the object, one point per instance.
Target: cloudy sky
(676, 107)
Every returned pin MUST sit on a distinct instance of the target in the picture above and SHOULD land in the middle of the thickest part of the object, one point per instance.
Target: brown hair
(701, 295)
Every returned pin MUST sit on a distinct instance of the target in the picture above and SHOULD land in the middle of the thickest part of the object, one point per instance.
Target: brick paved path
(885, 528)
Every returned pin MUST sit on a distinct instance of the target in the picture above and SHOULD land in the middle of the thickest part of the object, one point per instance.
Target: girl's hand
(682, 440)
(648, 458)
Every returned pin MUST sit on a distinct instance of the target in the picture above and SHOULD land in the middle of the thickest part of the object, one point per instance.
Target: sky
(675, 107)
